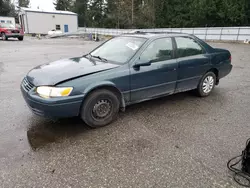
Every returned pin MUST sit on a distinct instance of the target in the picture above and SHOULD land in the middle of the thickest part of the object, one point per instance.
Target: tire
(20, 38)
(4, 37)
(206, 85)
(100, 108)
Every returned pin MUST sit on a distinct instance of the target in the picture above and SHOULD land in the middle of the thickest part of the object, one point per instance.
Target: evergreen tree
(97, 13)
(81, 8)
(7, 8)
(159, 13)
(63, 4)
(23, 3)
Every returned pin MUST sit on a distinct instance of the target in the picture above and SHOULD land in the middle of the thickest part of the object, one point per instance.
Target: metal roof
(47, 12)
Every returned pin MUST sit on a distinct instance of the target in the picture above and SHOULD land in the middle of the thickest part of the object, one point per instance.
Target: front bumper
(14, 35)
(52, 107)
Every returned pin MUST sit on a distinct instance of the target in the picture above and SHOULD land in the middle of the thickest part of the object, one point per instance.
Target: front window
(158, 50)
(119, 49)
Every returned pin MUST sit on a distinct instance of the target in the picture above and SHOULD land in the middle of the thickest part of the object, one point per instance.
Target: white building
(40, 22)
(6, 19)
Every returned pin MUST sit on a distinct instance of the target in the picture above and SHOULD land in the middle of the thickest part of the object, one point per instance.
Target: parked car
(135, 31)
(124, 70)
(55, 32)
(8, 30)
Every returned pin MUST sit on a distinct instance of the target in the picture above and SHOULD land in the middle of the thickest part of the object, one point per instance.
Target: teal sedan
(124, 70)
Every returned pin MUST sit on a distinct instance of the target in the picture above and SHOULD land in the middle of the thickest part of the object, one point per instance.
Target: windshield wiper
(98, 57)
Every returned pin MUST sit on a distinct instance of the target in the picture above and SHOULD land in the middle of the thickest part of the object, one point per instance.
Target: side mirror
(142, 64)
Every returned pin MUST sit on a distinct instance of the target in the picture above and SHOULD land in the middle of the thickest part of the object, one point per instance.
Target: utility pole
(154, 12)
(132, 17)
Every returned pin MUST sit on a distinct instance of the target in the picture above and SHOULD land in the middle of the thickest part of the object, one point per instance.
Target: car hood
(66, 69)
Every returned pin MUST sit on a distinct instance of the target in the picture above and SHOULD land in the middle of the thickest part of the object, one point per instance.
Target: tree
(7, 8)
(112, 18)
(63, 5)
(144, 16)
(23, 3)
(81, 8)
(247, 9)
(158, 13)
(97, 12)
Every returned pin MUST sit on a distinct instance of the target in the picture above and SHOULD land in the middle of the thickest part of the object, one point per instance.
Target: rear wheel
(20, 38)
(4, 37)
(100, 108)
(206, 84)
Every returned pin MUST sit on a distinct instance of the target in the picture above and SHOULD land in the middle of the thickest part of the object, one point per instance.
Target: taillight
(230, 58)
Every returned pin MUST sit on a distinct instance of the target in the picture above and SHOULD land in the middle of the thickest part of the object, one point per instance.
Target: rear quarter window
(188, 47)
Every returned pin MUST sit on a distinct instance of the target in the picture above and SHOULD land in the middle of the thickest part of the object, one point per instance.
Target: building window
(2, 21)
(58, 27)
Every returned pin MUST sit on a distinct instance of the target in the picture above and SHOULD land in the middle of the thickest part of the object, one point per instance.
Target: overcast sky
(43, 4)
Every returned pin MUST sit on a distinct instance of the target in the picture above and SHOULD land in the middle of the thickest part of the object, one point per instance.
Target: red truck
(8, 30)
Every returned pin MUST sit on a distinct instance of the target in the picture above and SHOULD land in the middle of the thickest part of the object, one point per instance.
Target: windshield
(7, 25)
(119, 49)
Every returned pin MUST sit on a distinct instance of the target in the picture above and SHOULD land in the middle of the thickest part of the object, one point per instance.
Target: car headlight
(46, 91)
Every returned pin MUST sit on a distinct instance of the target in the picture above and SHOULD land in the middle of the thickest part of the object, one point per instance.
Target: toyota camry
(124, 70)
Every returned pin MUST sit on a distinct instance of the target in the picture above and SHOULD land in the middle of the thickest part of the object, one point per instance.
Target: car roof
(156, 35)
(150, 35)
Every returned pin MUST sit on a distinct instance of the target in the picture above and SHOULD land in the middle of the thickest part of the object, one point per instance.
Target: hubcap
(101, 109)
(208, 84)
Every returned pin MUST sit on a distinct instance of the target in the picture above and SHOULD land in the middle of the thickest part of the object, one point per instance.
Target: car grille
(15, 31)
(27, 85)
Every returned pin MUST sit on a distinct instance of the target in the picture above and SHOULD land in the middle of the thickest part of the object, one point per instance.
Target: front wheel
(4, 37)
(100, 108)
(20, 38)
(206, 84)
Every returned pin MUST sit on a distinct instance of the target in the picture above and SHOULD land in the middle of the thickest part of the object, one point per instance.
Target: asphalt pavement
(177, 141)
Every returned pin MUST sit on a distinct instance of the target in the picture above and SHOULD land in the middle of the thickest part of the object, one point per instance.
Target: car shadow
(9, 40)
(42, 132)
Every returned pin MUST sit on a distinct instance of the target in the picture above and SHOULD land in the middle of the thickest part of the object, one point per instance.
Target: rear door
(160, 77)
(193, 63)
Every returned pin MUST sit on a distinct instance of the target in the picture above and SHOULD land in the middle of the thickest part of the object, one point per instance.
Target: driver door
(159, 76)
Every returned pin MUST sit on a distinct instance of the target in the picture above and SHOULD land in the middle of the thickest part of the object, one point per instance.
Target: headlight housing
(47, 91)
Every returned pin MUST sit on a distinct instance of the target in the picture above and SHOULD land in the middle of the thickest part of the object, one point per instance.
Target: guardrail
(208, 33)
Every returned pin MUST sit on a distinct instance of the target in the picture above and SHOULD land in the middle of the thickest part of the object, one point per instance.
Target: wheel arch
(109, 86)
(216, 72)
